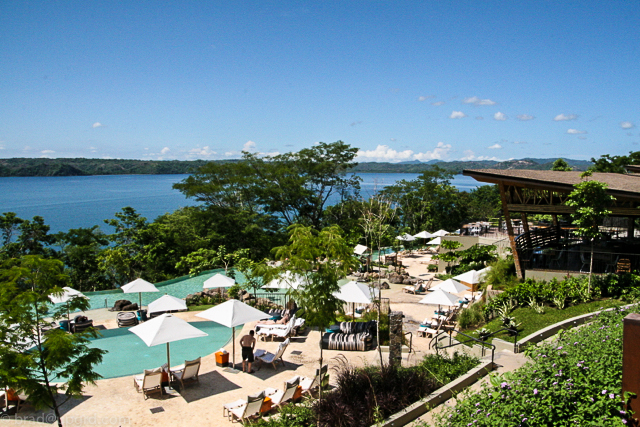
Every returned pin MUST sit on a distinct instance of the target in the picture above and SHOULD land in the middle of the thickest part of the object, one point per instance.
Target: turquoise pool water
(179, 289)
(129, 355)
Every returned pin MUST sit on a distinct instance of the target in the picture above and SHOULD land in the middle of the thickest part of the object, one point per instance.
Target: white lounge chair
(187, 371)
(266, 357)
(265, 333)
(150, 381)
(244, 409)
(310, 384)
(280, 397)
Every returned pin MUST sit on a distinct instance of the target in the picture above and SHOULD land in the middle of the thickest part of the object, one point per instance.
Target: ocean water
(74, 202)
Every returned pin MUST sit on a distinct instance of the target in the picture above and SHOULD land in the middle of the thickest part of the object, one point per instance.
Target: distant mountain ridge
(24, 167)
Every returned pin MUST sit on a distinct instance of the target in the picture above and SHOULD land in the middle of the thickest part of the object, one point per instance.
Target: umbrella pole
(233, 356)
(139, 300)
(168, 360)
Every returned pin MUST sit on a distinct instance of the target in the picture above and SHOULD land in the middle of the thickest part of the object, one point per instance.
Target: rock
(118, 306)
(130, 307)
(384, 285)
(396, 279)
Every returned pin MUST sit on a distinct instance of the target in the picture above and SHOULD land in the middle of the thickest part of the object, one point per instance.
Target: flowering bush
(575, 380)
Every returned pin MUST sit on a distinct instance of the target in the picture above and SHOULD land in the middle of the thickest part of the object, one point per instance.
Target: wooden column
(554, 218)
(512, 240)
(631, 363)
(525, 228)
(631, 227)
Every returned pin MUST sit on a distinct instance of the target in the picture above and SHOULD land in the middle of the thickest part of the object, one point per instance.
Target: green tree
(615, 164)
(321, 259)
(42, 365)
(483, 203)
(561, 165)
(591, 202)
(451, 255)
(80, 249)
(206, 259)
(429, 202)
(294, 186)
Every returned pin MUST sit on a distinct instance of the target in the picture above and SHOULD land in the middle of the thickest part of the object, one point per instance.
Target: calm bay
(85, 201)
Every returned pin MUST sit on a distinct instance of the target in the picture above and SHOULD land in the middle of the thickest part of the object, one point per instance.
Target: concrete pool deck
(115, 402)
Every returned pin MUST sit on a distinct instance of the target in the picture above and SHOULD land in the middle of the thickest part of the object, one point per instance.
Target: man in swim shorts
(247, 342)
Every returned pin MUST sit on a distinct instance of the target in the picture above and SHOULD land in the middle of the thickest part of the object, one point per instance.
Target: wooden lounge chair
(150, 381)
(244, 409)
(418, 287)
(280, 397)
(266, 357)
(187, 371)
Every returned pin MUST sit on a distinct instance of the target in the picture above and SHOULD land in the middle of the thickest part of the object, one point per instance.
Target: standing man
(247, 342)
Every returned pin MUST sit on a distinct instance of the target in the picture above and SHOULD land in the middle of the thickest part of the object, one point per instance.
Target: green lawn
(200, 307)
(531, 321)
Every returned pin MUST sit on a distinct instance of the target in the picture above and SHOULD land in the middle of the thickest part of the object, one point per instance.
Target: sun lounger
(309, 385)
(272, 333)
(80, 323)
(280, 397)
(414, 289)
(244, 409)
(126, 319)
(187, 371)
(266, 357)
(150, 381)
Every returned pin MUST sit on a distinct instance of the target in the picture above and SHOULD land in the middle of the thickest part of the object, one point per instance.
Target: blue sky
(400, 80)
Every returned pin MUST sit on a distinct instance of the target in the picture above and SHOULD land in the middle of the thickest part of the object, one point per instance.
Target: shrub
(502, 274)
(574, 380)
(234, 291)
(367, 395)
(290, 416)
(471, 316)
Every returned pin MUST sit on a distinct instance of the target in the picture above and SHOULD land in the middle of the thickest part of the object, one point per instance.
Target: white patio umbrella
(423, 235)
(435, 241)
(164, 329)
(233, 313)
(441, 233)
(406, 237)
(360, 249)
(67, 295)
(439, 298)
(355, 292)
(451, 285)
(167, 303)
(287, 281)
(472, 277)
(218, 281)
(139, 285)
(483, 273)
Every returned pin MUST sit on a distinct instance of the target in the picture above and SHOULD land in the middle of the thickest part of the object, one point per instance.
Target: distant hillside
(80, 167)
(457, 167)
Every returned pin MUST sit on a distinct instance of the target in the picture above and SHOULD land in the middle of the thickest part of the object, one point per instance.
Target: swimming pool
(129, 355)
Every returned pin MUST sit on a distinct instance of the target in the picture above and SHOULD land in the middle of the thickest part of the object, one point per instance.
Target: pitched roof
(620, 185)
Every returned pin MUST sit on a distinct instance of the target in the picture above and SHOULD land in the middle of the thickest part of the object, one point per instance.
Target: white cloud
(576, 131)
(230, 153)
(495, 146)
(165, 150)
(477, 101)
(424, 98)
(519, 142)
(248, 146)
(97, 125)
(47, 152)
(500, 116)
(384, 153)
(202, 151)
(470, 155)
(565, 117)
(627, 125)
(524, 117)
(437, 104)
(457, 115)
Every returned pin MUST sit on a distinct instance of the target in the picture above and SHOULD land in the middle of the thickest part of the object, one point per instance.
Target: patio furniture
(150, 381)
(310, 384)
(272, 333)
(245, 409)
(624, 266)
(80, 323)
(187, 371)
(280, 397)
(266, 357)
(126, 319)
(350, 336)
